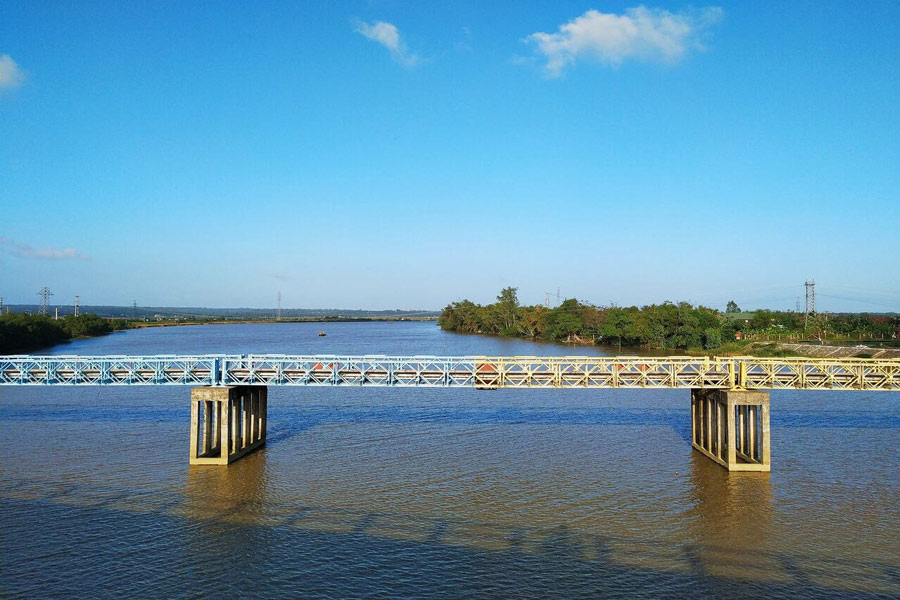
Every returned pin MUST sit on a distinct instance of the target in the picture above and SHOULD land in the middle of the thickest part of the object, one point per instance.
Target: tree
(732, 307)
(762, 319)
(614, 323)
(531, 320)
(712, 338)
(507, 304)
(464, 316)
(85, 325)
(562, 324)
(664, 326)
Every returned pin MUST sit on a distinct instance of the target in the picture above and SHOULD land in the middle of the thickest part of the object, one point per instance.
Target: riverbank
(757, 349)
(859, 351)
(667, 328)
(21, 333)
(28, 333)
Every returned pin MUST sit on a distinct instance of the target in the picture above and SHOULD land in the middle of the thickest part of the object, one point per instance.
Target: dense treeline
(659, 326)
(20, 332)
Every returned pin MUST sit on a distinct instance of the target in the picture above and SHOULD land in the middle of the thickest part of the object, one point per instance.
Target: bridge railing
(485, 372)
(435, 371)
(111, 370)
(818, 373)
(479, 371)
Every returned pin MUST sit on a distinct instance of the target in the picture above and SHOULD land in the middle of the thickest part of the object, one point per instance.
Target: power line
(864, 296)
(720, 294)
(891, 293)
(873, 302)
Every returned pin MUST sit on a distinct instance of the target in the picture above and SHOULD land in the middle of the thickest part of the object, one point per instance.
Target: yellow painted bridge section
(690, 372)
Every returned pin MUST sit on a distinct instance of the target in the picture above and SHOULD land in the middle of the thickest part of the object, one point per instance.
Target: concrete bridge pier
(732, 428)
(226, 423)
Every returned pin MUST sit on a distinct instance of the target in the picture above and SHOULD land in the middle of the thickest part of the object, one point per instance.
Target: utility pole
(810, 301)
(76, 305)
(278, 311)
(45, 294)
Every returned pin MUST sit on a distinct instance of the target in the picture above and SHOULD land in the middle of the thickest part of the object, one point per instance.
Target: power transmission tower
(1, 305)
(548, 295)
(134, 310)
(45, 294)
(76, 305)
(278, 311)
(810, 301)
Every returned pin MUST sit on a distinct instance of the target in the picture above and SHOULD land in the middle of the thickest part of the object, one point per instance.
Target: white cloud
(388, 36)
(641, 33)
(21, 250)
(465, 44)
(10, 74)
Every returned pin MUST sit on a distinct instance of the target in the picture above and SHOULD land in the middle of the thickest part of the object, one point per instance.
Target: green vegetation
(666, 326)
(20, 332)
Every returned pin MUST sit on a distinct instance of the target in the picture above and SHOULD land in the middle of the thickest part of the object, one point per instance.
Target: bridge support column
(226, 423)
(732, 428)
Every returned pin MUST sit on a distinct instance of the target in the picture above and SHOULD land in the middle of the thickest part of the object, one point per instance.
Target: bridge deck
(468, 371)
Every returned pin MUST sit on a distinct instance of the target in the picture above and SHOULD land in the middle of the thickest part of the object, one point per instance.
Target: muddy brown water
(436, 493)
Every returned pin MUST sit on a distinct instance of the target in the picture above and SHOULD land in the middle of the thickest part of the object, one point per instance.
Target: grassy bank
(762, 350)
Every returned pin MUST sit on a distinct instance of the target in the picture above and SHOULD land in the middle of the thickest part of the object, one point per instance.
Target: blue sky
(406, 154)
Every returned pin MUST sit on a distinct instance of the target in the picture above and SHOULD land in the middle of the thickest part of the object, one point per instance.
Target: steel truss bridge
(482, 372)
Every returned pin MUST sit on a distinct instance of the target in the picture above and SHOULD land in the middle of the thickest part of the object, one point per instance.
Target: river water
(436, 493)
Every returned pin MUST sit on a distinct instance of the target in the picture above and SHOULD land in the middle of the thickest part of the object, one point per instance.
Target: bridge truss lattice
(469, 371)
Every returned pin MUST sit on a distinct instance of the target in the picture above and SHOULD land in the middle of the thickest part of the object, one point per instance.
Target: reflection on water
(733, 519)
(437, 493)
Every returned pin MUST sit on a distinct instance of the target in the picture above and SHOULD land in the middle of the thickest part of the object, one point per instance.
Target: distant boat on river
(321, 334)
